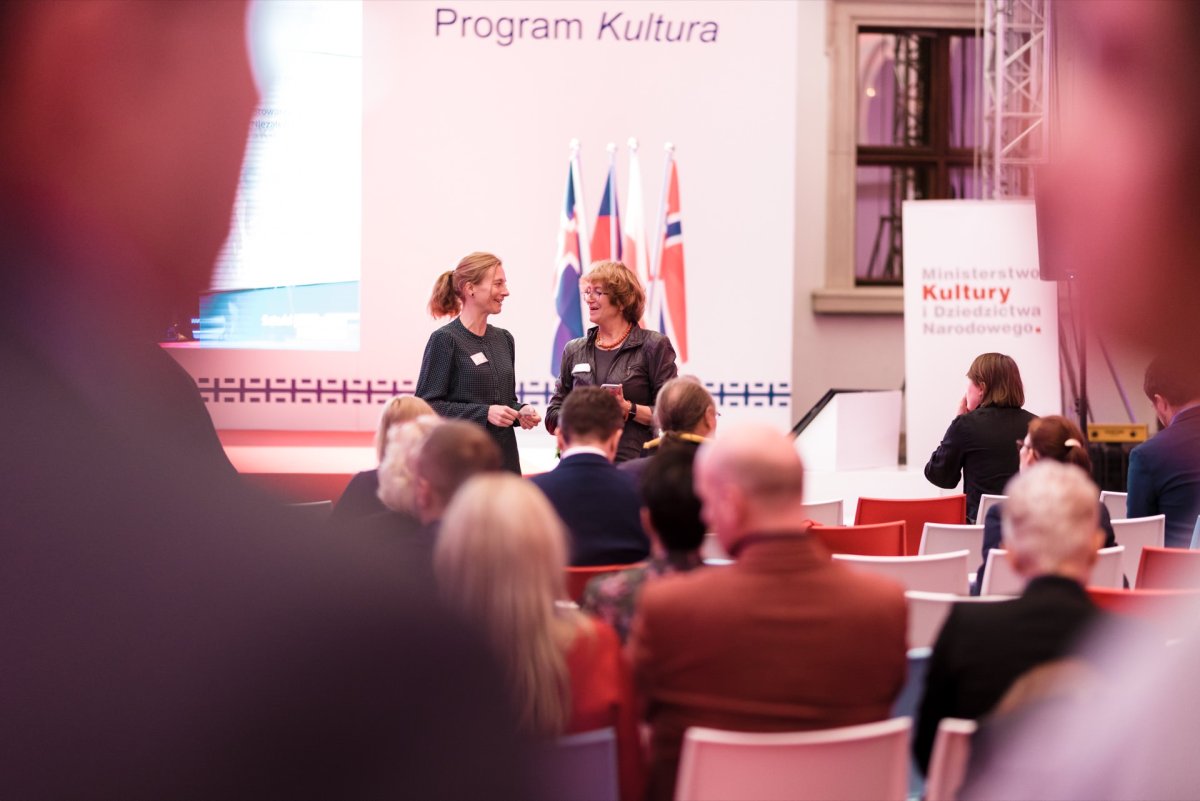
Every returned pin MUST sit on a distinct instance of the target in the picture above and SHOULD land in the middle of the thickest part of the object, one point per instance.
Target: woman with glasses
(631, 362)
(978, 444)
(1058, 439)
(468, 368)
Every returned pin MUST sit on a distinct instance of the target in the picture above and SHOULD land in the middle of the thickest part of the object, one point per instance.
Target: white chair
(948, 763)
(824, 513)
(1136, 533)
(943, 572)
(582, 767)
(1115, 501)
(947, 538)
(999, 578)
(927, 612)
(844, 764)
(987, 502)
(1108, 570)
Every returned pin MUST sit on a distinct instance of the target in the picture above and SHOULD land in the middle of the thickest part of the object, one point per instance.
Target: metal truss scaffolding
(1016, 95)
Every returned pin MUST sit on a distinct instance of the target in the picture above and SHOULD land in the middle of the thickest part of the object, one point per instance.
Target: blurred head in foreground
(1051, 521)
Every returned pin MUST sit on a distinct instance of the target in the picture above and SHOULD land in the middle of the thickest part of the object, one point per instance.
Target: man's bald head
(750, 478)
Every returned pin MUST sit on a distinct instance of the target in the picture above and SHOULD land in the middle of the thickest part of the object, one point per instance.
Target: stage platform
(300, 466)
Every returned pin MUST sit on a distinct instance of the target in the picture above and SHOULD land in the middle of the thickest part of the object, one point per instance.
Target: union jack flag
(570, 261)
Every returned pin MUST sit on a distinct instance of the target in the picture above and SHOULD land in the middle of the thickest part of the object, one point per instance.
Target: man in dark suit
(785, 639)
(598, 502)
(1051, 531)
(1164, 472)
(166, 632)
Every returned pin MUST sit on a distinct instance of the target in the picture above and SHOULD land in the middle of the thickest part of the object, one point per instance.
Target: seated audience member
(427, 460)
(1164, 471)
(671, 516)
(1051, 530)
(598, 502)
(500, 561)
(785, 639)
(683, 412)
(361, 496)
(1058, 439)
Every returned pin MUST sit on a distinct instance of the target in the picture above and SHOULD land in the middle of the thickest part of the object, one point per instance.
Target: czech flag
(570, 261)
(606, 236)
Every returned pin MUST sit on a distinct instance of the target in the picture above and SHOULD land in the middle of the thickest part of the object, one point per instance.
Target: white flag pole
(612, 209)
(660, 229)
(585, 242)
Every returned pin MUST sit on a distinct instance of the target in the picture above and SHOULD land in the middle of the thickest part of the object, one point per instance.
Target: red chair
(915, 512)
(578, 577)
(1168, 569)
(881, 539)
(1142, 603)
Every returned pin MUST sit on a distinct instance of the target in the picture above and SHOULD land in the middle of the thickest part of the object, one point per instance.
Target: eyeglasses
(589, 292)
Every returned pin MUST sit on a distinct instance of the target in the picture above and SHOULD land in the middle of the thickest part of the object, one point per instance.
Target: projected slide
(288, 276)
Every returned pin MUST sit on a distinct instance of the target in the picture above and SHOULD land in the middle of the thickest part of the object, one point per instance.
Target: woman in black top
(468, 368)
(635, 362)
(979, 444)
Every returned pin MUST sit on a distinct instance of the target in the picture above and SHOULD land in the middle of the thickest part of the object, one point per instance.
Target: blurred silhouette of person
(172, 635)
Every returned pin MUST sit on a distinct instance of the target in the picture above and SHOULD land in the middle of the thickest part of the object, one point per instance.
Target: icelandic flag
(633, 251)
(672, 305)
(606, 236)
(570, 259)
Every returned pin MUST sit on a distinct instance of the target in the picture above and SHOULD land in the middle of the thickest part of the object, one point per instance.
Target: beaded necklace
(616, 344)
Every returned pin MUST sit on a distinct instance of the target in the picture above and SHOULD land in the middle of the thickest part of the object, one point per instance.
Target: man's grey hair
(1051, 515)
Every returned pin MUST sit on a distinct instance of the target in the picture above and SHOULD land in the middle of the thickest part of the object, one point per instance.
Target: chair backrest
(1168, 569)
(825, 513)
(927, 612)
(582, 767)
(948, 763)
(941, 572)
(1115, 501)
(915, 512)
(854, 762)
(578, 577)
(1107, 572)
(1136, 533)
(999, 578)
(947, 538)
(987, 502)
(1142, 603)
(882, 539)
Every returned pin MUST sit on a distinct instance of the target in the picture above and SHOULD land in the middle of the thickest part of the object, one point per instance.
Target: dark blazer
(360, 498)
(644, 362)
(983, 648)
(992, 537)
(981, 448)
(600, 506)
(1164, 477)
(785, 639)
(455, 386)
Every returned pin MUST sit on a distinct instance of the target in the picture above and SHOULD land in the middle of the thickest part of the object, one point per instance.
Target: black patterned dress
(462, 374)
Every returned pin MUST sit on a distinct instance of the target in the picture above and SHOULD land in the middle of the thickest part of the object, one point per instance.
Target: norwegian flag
(606, 236)
(669, 291)
(570, 261)
(633, 251)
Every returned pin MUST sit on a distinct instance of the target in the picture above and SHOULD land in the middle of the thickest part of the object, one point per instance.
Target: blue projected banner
(311, 317)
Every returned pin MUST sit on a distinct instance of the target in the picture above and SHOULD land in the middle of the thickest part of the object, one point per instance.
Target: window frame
(840, 294)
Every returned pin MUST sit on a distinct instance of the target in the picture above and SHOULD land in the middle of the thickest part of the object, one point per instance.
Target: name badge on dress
(581, 368)
(478, 358)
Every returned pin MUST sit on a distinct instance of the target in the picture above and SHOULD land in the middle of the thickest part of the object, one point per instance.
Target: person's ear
(710, 418)
(651, 531)
(558, 437)
(612, 442)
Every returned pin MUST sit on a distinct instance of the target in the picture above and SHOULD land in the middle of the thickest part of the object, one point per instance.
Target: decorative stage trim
(361, 391)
